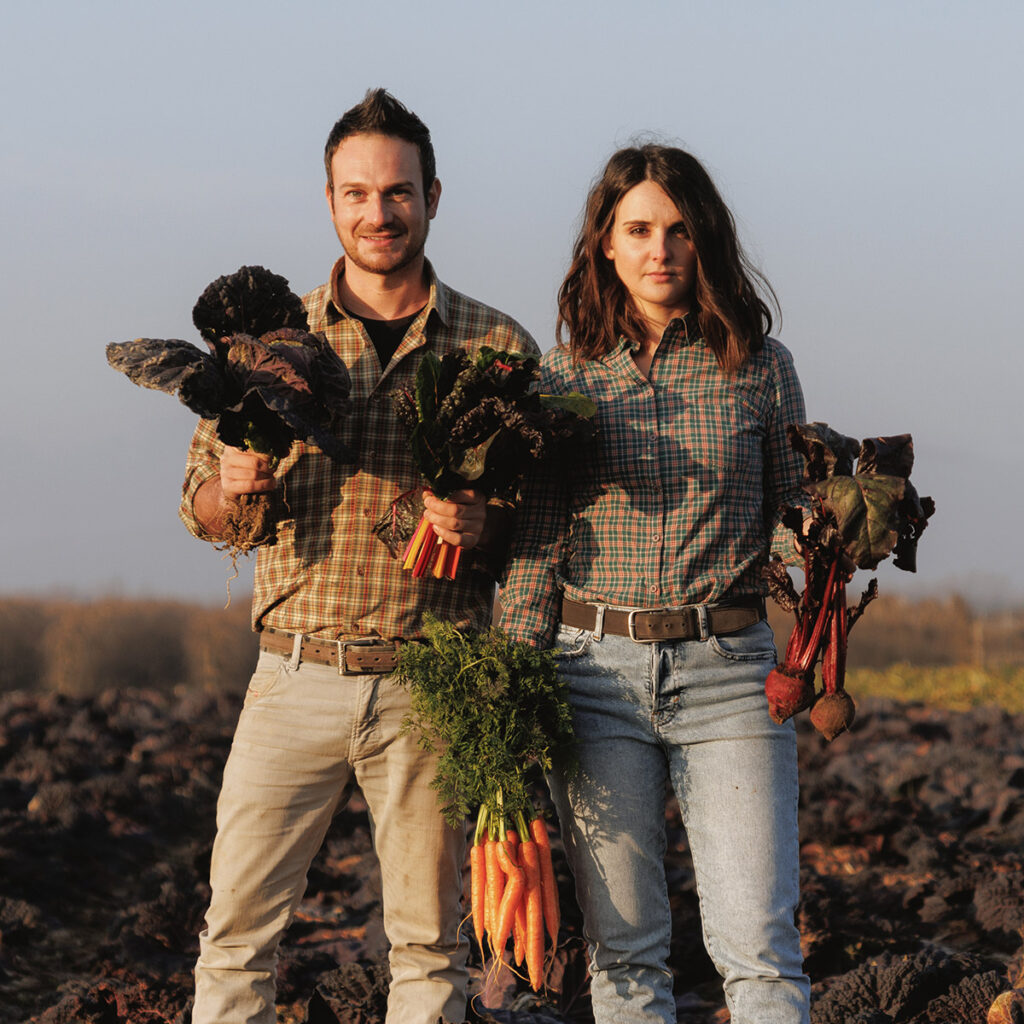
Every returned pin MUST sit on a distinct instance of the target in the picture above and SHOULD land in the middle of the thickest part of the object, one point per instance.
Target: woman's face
(652, 252)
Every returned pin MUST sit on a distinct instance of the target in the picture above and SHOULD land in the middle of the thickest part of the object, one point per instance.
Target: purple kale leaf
(264, 391)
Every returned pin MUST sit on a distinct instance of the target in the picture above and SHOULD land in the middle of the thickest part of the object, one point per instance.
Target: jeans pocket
(572, 642)
(270, 669)
(755, 643)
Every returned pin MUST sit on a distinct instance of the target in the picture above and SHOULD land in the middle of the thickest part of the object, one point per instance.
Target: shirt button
(360, 571)
(366, 511)
(657, 536)
(653, 589)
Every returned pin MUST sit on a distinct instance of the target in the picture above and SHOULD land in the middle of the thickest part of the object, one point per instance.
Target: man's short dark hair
(381, 114)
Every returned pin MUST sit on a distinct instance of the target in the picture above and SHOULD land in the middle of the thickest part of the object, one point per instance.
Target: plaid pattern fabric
(680, 499)
(328, 575)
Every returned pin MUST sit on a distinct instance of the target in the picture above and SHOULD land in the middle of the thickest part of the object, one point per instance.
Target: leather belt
(349, 657)
(651, 625)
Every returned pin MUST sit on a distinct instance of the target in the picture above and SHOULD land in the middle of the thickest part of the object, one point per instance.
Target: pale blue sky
(872, 154)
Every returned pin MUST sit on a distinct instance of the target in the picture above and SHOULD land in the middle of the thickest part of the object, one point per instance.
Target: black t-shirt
(386, 335)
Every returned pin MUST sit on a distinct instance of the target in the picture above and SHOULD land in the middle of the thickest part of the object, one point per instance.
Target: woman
(643, 564)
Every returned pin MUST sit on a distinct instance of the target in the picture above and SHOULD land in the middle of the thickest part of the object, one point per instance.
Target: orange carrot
(519, 921)
(548, 888)
(534, 915)
(495, 883)
(515, 886)
(478, 889)
(519, 933)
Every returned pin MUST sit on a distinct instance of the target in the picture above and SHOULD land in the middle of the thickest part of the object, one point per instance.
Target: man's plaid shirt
(678, 501)
(328, 574)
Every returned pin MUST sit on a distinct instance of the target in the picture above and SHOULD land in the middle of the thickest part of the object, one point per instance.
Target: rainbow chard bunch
(474, 421)
(265, 380)
(858, 518)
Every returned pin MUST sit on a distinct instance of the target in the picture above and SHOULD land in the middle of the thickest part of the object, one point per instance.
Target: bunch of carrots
(512, 885)
(497, 712)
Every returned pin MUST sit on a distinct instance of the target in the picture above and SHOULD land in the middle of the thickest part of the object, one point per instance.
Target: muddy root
(249, 523)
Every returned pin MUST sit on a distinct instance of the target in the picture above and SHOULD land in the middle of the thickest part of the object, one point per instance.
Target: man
(322, 712)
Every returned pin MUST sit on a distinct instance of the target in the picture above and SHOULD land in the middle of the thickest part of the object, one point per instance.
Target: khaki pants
(304, 735)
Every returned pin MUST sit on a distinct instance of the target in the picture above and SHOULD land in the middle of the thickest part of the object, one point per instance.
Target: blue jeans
(693, 713)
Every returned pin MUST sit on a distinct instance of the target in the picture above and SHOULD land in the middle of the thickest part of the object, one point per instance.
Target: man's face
(377, 202)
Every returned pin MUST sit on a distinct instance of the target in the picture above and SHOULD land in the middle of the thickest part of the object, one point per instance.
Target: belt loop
(702, 621)
(293, 664)
(598, 632)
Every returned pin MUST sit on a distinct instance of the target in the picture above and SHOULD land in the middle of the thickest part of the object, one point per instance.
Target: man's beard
(390, 264)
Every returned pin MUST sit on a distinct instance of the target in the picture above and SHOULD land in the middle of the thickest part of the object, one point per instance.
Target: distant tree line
(84, 647)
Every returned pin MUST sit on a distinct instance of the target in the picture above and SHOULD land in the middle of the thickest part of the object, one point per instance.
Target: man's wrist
(209, 505)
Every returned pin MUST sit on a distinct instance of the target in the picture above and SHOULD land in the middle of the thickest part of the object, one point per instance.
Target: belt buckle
(698, 611)
(343, 646)
(631, 625)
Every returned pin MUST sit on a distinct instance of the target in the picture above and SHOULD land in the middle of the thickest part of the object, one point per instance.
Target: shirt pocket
(724, 435)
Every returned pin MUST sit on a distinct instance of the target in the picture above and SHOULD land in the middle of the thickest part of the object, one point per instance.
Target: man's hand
(243, 472)
(459, 520)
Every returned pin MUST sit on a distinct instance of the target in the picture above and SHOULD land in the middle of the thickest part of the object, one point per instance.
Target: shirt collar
(684, 330)
(437, 302)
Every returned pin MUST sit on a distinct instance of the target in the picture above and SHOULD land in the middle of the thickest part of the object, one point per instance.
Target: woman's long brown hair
(595, 309)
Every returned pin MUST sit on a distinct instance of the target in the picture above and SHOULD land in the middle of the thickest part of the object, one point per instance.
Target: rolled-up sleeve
(202, 464)
(531, 590)
(783, 467)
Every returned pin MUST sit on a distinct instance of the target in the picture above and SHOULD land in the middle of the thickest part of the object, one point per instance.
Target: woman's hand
(846, 564)
(460, 519)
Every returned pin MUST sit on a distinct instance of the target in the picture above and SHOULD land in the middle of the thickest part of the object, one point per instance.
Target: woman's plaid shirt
(680, 498)
(328, 574)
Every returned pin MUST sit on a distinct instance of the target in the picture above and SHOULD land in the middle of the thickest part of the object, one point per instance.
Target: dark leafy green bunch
(265, 380)
(252, 300)
(480, 420)
(872, 512)
(859, 516)
(495, 708)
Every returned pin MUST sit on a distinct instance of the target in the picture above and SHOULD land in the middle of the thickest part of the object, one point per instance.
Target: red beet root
(833, 713)
(788, 694)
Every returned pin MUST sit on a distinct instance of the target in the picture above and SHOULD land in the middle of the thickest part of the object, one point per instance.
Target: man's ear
(329, 192)
(433, 195)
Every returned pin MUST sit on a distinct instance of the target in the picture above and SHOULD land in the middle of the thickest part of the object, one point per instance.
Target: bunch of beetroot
(265, 380)
(858, 518)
